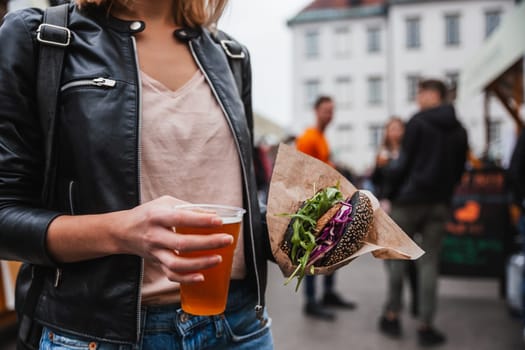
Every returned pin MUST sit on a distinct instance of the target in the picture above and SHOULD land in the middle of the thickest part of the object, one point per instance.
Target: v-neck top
(187, 151)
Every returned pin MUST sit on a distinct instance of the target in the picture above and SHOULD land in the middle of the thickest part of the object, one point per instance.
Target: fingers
(189, 243)
(195, 219)
(170, 217)
(184, 269)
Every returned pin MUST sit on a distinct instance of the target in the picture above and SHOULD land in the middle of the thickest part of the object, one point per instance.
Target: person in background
(516, 173)
(388, 152)
(164, 125)
(423, 178)
(314, 143)
(263, 171)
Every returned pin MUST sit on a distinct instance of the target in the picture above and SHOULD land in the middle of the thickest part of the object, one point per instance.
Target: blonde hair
(191, 13)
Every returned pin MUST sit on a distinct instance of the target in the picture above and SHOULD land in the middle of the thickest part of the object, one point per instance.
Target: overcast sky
(261, 26)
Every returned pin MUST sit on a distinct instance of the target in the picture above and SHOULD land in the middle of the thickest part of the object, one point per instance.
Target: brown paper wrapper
(296, 177)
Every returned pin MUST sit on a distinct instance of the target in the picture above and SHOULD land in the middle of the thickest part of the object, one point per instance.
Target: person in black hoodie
(422, 180)
(516, 174)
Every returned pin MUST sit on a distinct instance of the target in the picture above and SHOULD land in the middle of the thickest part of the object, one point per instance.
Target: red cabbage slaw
(331, 233)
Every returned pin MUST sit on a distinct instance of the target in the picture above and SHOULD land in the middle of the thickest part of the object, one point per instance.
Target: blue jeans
(168, 327)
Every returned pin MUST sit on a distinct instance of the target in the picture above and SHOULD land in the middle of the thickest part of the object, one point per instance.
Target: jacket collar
(102, 16)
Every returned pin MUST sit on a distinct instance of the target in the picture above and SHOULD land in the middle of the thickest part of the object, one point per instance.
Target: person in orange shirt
(314, 143)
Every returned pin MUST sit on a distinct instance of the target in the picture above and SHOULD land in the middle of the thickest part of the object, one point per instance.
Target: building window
(374, 39)
(375, 91)
(311, 92)
(492, 20)
(344, 137)
(343, 93)
(452, 79)
(412, 86)
(413, 38)
(342, 42)
(452, 30)
(375, 138)
(312, 44)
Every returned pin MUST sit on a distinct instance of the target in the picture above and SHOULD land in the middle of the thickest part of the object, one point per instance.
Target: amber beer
(209, 297)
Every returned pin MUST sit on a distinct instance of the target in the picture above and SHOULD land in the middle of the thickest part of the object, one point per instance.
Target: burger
(326, 230)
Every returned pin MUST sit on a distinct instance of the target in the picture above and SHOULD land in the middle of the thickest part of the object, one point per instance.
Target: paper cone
(296, 177)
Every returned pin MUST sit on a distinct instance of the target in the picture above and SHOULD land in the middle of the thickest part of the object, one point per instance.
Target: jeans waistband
(239, 295)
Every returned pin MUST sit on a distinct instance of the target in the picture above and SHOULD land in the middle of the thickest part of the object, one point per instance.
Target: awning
(502, 50)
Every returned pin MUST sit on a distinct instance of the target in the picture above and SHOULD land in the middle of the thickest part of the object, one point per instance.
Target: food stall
(480, 231)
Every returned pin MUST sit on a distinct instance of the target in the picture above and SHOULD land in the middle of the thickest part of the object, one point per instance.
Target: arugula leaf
(303, 238)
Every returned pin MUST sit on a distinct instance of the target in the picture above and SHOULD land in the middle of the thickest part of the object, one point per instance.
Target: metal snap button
(135, 26)
(184, 317)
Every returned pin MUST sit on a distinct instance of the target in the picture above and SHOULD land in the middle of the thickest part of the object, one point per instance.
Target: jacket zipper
(58, 271)
(100, 82)
(258, 308)
(139, 179)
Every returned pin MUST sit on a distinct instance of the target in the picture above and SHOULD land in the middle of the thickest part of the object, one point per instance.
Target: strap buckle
(51, 34)
(227, 44)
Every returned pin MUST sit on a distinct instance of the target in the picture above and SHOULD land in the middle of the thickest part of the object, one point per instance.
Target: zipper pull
(104, 82)
(58, 275)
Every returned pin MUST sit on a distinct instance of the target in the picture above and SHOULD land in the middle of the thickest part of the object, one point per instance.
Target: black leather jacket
(97, 155)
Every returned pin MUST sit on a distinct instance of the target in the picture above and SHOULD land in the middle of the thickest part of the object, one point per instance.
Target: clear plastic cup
(209, 297)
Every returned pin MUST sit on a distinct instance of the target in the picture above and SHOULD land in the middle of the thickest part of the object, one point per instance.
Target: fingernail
(216, 221)
(228, 239)
(198, 278)
(217, 259)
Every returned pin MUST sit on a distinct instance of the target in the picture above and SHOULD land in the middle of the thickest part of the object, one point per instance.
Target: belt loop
(219, 325)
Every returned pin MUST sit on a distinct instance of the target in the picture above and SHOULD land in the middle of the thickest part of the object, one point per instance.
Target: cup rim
(239, 211)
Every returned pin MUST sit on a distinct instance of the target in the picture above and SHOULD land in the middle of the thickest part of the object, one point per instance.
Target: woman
(166, 126)
(388, 151)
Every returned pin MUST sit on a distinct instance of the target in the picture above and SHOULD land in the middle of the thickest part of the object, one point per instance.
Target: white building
(369, 55)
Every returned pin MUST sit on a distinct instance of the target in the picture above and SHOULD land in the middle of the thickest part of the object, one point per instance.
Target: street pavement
(471, 313)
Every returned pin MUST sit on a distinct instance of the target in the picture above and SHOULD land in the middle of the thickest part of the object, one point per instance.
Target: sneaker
(430, 336)
(334, 300)
(316, 310)
(390, 327)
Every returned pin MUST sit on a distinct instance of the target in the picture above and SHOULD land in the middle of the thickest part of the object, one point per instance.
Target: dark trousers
(328, 285)
(427, 220)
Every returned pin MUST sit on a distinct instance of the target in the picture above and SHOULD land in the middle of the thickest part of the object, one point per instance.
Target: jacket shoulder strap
(53, 36)
(235, 55)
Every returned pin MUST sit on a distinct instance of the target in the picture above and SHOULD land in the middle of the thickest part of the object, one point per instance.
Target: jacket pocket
(98, 82)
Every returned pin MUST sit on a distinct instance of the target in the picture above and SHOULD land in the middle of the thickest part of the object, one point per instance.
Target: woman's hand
(147, 231)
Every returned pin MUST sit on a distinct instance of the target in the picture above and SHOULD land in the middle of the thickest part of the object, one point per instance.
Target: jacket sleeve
(248, 110)
(247, 90)
(23, 220)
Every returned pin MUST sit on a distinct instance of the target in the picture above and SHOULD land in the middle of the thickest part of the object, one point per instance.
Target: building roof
(331, 4)
(326, 10)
